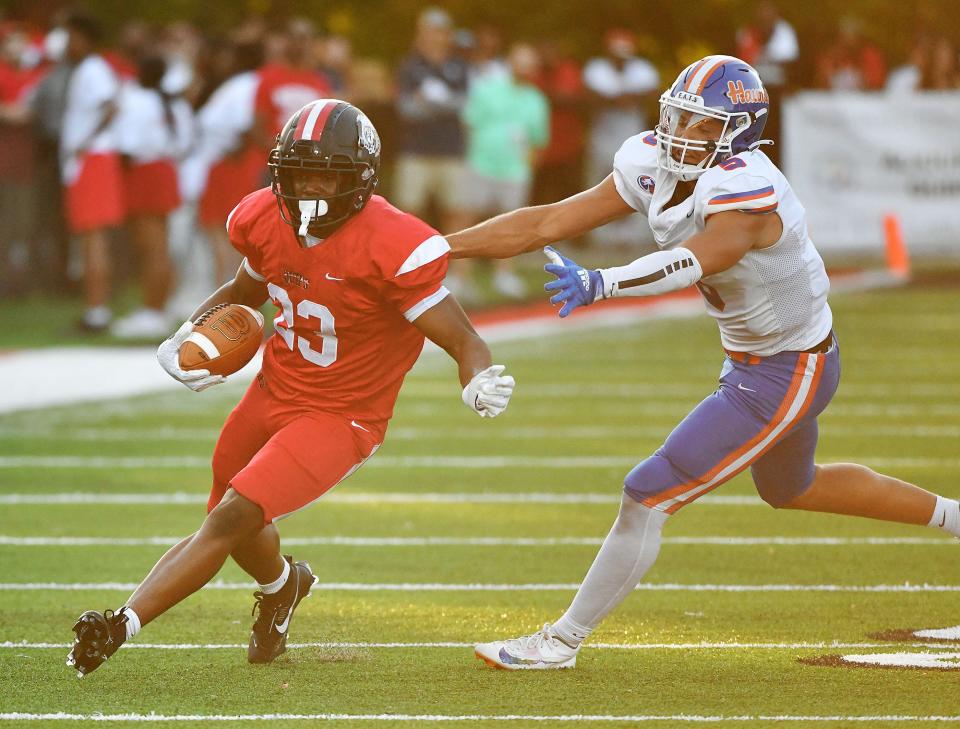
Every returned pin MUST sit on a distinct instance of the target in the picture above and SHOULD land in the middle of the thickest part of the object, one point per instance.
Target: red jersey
(344, 338)
(283, 90)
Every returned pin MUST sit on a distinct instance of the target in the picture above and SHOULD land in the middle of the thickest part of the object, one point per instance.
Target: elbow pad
(658, 273)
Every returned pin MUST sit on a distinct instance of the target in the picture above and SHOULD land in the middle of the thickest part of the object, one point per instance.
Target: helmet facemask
(319, 195)
(692, 137)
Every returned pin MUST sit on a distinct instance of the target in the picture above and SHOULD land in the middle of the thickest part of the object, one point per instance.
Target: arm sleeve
(744, 192)
(416, 284)
(657, 273)
(633, 166)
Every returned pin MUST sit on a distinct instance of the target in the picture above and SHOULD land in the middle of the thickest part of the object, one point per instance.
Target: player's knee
(634, 515)
(779, 489)
(776, 499)
(235, 518)
(648, 478)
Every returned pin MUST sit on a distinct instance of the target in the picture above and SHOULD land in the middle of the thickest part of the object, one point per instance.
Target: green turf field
(453, 500)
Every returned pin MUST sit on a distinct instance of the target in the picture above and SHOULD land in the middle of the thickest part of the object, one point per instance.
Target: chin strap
(758, 143)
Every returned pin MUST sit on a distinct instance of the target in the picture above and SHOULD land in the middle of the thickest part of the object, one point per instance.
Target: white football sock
(133, 621)
(278, 583)
(946, 516)
(626, 555)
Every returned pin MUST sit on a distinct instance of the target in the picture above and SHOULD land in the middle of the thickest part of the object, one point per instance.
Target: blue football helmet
(723, 88)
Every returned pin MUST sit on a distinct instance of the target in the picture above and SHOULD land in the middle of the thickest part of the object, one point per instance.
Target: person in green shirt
(507, 120)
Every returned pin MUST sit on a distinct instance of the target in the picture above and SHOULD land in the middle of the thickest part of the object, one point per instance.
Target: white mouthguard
(310, 209)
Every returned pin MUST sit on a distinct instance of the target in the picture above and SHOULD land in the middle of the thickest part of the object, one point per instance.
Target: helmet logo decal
(740, 95)
(646, 183)
(367, 136)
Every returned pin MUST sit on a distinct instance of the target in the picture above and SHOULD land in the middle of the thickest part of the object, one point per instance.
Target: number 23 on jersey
(319, 349)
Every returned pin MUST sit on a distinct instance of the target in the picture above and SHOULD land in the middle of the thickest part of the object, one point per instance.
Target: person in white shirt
(154, 132)
(726, 220)
(90, 166)
(619, 84)
(230, 163)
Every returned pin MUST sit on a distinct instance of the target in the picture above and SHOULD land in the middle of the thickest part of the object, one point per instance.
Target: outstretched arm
(530, 228)
(725, 239)
(485, 389)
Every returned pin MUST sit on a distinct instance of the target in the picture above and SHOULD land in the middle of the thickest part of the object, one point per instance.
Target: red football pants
(284, 458)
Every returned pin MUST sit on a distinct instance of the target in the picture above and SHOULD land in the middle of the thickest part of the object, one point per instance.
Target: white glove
(168, 355)
(488, 392)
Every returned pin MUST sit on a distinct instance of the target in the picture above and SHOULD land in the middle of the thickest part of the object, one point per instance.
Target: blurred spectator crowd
(123, 159)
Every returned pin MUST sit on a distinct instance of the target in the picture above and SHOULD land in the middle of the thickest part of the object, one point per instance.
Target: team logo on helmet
(739, 95)
(367, 135)
(646, 183)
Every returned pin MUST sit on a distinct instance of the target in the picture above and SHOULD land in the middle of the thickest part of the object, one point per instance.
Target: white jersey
(143, 131)
(773, 299)
(228, 115)
(92, 87)
(221, 124)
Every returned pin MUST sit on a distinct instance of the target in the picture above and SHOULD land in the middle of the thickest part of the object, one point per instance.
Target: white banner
(854, 157)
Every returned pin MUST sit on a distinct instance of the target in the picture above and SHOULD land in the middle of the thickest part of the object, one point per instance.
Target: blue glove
(577, 286)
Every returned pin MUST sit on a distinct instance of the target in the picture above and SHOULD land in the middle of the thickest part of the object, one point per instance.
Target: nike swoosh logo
(334, 278)
(943, 520)
(355, 424)
(690, 213)
(741, 387)
(282, 627)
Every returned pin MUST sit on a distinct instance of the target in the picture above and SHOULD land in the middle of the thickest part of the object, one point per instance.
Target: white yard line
(344, 541)
(457, 462)
(481, 587)
(547, 719)
(832, 645)
(63, 376)
(347, 497)
(600, 432)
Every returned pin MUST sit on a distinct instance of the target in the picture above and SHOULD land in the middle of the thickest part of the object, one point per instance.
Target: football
(223, 339)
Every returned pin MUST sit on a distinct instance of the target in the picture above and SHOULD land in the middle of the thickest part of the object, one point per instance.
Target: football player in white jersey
(726, 220)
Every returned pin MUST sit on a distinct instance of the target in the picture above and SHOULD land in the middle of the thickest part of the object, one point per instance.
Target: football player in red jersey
(357, 285)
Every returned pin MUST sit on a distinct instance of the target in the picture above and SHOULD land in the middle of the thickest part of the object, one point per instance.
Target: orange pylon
(898, 258)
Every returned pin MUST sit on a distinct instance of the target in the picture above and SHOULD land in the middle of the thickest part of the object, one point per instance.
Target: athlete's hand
(488, 393)
(168, 355)
(577, 286)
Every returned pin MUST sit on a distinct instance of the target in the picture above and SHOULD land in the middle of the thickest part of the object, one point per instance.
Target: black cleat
(99, 636)
(268, 638)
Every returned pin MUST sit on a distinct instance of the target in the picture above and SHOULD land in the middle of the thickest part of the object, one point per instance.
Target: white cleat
(539, 651)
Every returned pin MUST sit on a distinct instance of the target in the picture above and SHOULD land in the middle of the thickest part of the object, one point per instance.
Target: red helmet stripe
(312, 122)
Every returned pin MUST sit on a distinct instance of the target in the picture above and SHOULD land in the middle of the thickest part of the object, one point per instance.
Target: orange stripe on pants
(782, 410)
